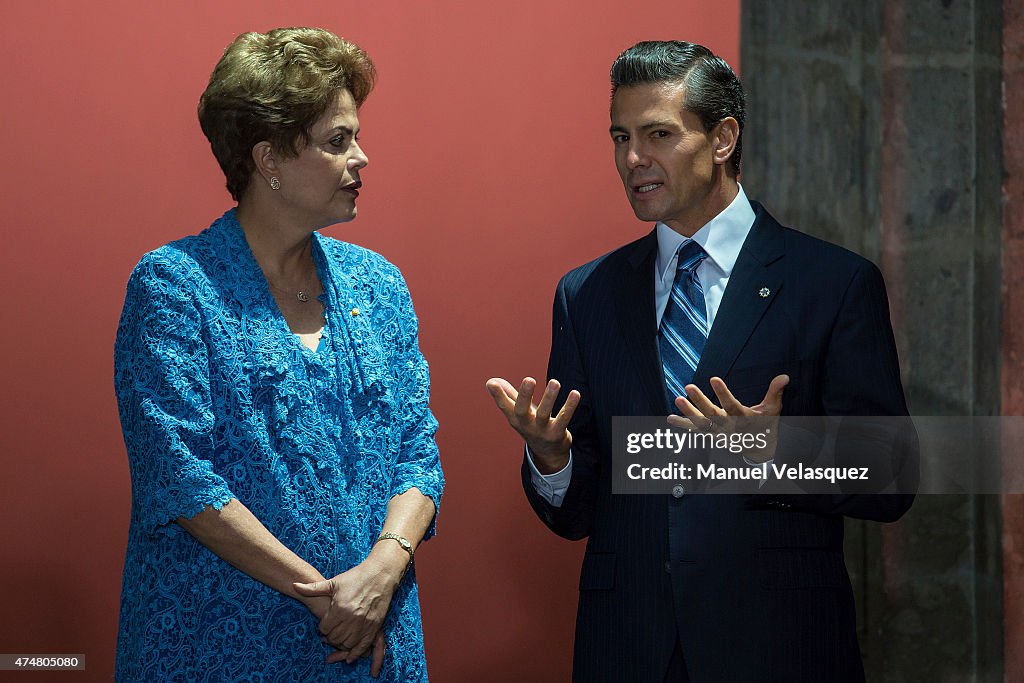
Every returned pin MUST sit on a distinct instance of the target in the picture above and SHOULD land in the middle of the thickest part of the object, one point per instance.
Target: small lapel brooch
(764, 292)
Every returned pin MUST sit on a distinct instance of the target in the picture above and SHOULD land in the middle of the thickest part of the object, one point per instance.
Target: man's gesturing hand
(700, 413)
(548, 438)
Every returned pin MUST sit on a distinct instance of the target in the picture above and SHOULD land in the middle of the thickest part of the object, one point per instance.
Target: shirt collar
(721, 237)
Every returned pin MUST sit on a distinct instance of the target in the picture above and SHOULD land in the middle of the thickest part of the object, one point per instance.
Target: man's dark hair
(712, 91)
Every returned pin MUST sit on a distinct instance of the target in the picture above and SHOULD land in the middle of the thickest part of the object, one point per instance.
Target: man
(718, 301)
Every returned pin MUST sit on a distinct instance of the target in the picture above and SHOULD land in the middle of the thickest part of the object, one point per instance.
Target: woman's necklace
(302, 295)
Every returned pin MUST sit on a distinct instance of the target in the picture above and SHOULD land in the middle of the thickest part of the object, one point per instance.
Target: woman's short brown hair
(274, 86)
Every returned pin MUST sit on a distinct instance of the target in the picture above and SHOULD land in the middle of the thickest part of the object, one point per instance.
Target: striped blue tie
(684, 326)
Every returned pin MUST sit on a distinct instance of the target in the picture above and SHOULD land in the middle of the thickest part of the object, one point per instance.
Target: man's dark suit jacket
(754, 587)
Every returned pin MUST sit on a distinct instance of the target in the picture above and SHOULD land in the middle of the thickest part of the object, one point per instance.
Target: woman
(274, 403)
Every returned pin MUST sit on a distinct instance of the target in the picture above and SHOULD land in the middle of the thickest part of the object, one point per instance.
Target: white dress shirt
(722, 238)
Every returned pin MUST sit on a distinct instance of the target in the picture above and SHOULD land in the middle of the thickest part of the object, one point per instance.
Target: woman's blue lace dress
(219, 400)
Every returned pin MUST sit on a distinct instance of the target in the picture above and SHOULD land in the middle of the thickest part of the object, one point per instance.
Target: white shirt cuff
(551, 487)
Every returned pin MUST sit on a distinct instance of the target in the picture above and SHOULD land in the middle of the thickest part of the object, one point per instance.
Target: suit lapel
(754, 284)
(634, 304)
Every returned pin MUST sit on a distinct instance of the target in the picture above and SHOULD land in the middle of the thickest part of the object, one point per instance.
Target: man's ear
(265, 160)
(724, 136)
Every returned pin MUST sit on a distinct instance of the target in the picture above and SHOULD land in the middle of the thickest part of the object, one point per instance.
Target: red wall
(490, 175)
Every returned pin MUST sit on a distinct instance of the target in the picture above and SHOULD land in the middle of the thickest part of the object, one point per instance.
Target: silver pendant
(302, 296)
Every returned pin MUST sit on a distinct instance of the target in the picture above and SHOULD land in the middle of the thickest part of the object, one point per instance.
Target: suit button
(678, 491)
(668, 567)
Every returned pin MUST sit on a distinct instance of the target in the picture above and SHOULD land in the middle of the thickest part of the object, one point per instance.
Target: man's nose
(636, 157)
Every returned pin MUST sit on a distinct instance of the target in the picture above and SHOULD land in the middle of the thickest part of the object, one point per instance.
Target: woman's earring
(275, 184)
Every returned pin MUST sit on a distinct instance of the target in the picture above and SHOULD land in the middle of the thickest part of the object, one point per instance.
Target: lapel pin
(764, 292)
(355, 312)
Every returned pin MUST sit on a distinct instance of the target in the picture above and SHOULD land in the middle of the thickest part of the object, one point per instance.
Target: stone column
(878, 126)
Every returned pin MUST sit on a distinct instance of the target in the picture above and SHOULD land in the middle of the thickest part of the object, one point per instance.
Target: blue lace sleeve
(161, 376)
(418, 462)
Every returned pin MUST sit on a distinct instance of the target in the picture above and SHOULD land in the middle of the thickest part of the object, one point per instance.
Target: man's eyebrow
(659, 124)
(645, 126)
